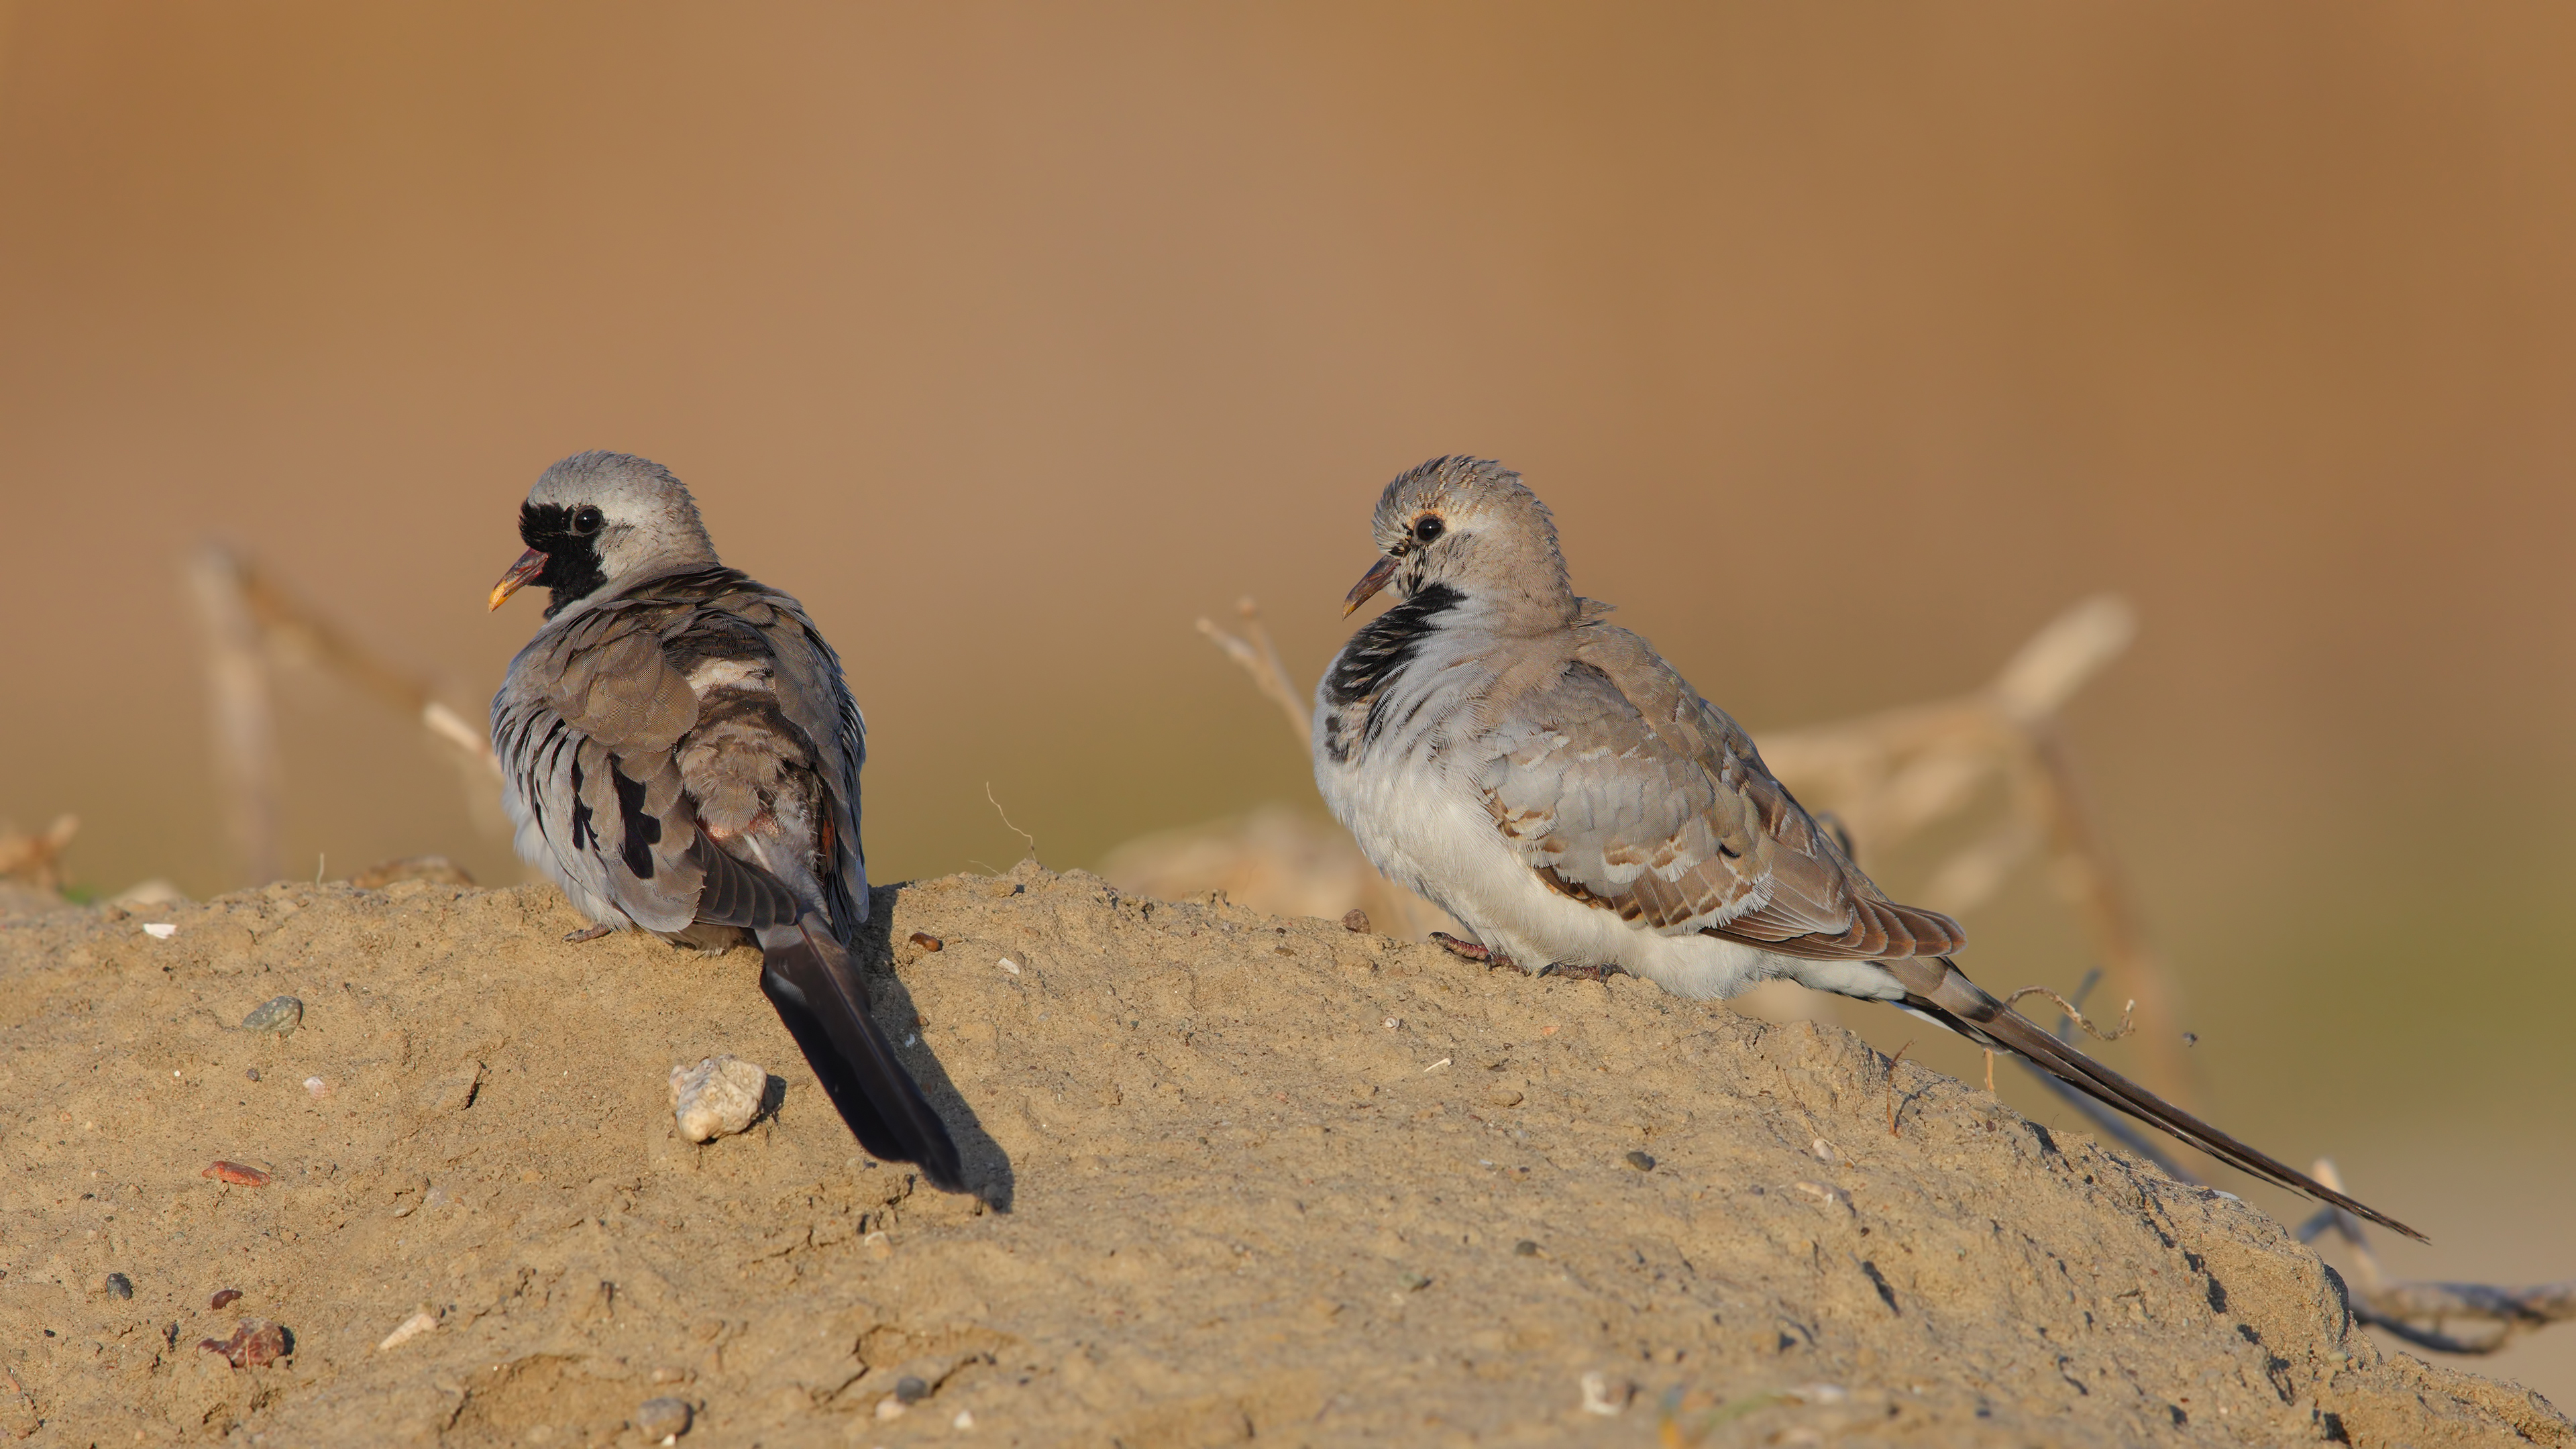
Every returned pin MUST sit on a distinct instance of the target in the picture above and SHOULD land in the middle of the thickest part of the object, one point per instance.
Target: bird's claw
(1579, 973)
(592, 934)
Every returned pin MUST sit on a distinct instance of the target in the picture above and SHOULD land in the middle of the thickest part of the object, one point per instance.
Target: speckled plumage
(680, 754)
(1544, 776)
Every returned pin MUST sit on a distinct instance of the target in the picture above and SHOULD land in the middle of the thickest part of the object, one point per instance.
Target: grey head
(1470, 526)
(598, 521)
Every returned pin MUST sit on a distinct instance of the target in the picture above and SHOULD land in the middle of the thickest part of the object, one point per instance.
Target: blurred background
(1849, 344)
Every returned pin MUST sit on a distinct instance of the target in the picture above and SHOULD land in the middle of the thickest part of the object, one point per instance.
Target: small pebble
(926, 941)
(663, 1419)
(1641, 1162)
(317, 1088)
(280, 1015)
(223, 1297)
(716, 1098)
(251, 1072)
(1605, 1395)
(1525, 1248)
(965, 1420)
(891, 1407)
(256, 1342)
(1355, 921)
(667, 1374)
(236, 1174)
(1414, 1282)
(1817, 1393)
(910, 1389)
(118, 1286)
(160, 930)
(1011, 966)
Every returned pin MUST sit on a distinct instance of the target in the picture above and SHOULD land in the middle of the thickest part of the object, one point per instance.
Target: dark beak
(530, 564)
(1370, 582)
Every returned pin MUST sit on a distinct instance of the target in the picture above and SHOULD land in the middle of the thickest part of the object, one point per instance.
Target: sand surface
(1243, 1179)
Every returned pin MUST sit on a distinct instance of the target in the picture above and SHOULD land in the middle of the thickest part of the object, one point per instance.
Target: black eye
(587, 521)
(1427, 528)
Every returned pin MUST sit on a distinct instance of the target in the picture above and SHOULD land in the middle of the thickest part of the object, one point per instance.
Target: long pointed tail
(1938, 989)
(816, 988)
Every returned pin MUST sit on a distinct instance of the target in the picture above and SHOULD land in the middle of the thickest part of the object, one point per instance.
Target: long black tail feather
(820, 998)
(810, 978)
(1967, 1009)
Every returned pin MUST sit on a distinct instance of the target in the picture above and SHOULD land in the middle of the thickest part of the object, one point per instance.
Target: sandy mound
(1250, 1178)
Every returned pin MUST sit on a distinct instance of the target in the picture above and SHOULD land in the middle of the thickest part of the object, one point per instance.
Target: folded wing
(1623, 789)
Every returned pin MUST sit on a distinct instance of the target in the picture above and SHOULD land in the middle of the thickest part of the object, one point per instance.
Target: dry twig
(1006, 821)
(2421, 1313)
(1260, 659)
(1402, 912)
(1890, 776)
(2114, 1125)
(2077, 1018)
(37, 859)
(251, 621)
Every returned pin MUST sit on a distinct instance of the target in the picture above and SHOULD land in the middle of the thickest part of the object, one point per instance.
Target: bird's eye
(587, 521)
(1427, 528)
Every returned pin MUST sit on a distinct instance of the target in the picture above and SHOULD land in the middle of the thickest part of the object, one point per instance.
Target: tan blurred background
(1848, 343)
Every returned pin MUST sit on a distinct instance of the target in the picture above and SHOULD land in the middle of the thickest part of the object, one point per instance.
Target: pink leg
(593, 934)
(1469, 950)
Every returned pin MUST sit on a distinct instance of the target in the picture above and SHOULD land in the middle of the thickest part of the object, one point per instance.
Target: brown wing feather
(1627, 791)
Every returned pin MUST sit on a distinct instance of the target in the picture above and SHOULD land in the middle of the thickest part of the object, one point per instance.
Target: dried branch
(1260, 659)
(251, 620)
(1263, 848)
(37, 859)
(245, 719)
(1890, 776)
(2421, 1313)
(2087, 876)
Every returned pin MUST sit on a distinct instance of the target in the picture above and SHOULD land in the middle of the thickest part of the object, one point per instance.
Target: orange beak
(1370, 582)
(530, 564)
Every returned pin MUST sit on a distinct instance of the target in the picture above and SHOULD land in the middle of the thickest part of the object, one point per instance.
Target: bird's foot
(1469, 950)
(1563, 971)
(593, 934)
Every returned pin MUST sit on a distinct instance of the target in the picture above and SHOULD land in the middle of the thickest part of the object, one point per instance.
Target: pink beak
(530, 564)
